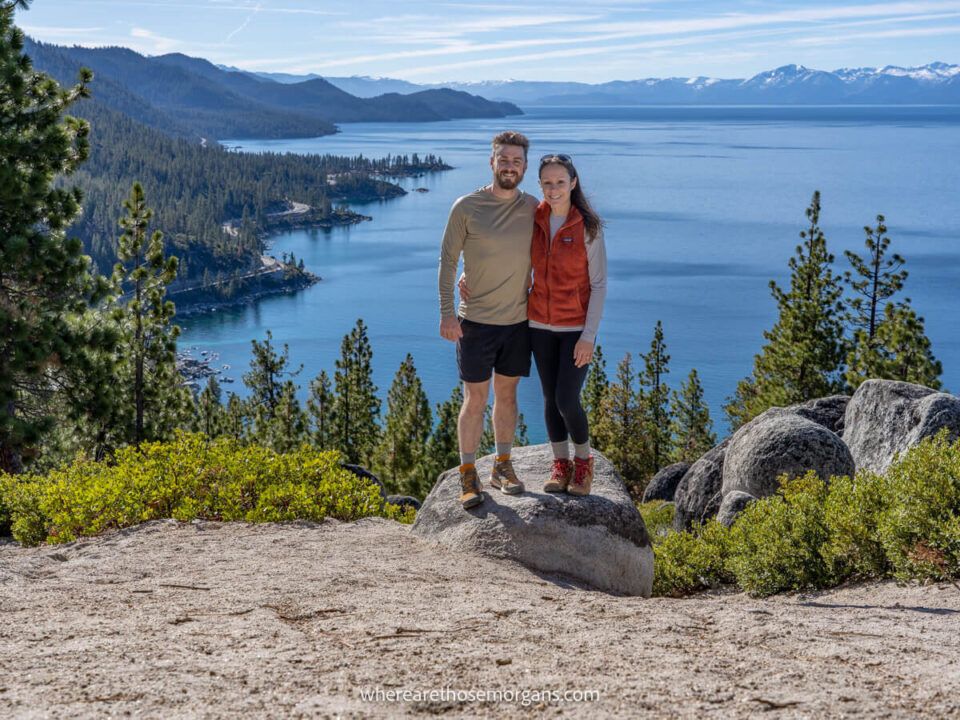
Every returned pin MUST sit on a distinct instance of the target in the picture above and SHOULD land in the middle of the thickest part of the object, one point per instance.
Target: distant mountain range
(937, 83)
(191, 96)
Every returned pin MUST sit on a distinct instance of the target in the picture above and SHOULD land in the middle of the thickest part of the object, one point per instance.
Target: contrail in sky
(243, 24)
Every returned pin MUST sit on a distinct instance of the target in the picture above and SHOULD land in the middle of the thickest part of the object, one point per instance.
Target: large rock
(887, 417)
(780, 442)
(663, 485)
(732, 505)
(404, 501)
(698, 495)
(599, 539)
(826, 411)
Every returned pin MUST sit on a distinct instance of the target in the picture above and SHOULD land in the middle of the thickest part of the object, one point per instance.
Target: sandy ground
(297, 620)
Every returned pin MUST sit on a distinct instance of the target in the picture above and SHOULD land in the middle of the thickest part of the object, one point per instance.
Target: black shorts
(485, 348)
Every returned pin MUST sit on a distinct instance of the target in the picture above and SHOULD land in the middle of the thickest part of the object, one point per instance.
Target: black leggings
(561, 381)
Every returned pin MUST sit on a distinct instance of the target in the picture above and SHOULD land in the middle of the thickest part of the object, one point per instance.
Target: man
(491, 228)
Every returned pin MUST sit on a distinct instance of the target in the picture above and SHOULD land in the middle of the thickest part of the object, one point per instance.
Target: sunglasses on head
(555, 157)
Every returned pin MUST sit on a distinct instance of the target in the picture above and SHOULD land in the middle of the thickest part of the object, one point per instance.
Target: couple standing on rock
(534, 281)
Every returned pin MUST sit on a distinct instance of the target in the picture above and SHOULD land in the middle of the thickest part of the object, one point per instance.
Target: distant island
(937, 83)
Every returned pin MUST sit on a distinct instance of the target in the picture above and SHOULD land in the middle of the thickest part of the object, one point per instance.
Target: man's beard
(508, 183)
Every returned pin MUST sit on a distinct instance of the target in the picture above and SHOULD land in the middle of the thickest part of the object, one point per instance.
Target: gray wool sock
(581, 450)
(468, 458)
(504, 448)
(561, 450)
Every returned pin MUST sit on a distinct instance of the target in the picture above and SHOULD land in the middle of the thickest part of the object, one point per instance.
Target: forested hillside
(197, 187)
(194, 95)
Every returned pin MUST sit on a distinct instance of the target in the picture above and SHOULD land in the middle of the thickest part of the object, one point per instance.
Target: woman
(564, 308)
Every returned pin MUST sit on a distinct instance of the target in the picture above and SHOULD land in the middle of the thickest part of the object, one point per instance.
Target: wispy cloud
(734, 21)
(428, 28)
(214, 5)
(47, 30)
(877, 34)
(150, 42)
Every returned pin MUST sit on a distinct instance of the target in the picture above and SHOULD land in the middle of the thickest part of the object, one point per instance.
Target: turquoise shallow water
(704, 206)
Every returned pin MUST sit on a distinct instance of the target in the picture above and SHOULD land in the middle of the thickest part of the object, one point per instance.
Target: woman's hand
(462, 284)
(582, 353)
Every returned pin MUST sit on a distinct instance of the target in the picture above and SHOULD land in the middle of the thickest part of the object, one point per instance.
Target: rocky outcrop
(698, 495)
(885, 418)
(826, 411)
(732, 505)
(781, 442)
(663, 485)
(599, 539)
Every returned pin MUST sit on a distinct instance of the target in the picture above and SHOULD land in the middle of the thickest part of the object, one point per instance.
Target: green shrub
(814, 534)
(775, 543)
(189, 478)
(919, 528)
(658, 518)
(851, 512)
(685, 562)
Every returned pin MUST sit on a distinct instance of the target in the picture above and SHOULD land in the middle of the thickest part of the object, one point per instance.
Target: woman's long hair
(592, 222)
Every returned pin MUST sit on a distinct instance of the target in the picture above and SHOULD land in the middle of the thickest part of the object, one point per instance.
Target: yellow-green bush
(852, 509)
(685, 562)
(657, 517)
(775, 542)
(919, 524)
(815, 534)
(189, 478)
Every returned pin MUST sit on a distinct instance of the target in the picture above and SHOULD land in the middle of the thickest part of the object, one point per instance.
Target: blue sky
(436, 41)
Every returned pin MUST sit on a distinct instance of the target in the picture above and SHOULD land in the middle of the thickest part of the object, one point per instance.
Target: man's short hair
(511, 137)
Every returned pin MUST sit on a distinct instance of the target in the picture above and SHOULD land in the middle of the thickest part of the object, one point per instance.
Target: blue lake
(704, 206)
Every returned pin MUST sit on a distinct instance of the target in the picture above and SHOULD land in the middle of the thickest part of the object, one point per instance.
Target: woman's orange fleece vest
(561, 276)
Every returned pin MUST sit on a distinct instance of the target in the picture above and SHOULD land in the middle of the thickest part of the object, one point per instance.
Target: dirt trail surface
(297, 620)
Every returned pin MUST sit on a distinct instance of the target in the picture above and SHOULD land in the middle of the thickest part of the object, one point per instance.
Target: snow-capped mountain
(937, 83)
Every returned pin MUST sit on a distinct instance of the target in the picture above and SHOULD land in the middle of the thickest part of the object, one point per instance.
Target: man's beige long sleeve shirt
(493, 235)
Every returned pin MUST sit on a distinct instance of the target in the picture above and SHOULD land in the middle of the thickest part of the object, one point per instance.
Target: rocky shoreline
(190, 308)
(196, 370)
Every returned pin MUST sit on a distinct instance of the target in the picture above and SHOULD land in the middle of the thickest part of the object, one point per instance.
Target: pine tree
(236, 420)
(900, 350)
(594, 390)
(320, 407)
(46, 279)
(157, 397)
(655, 403)
(356, 407)
(805, 348)
(621, 426)
(268, 369)
(692, 427)
(892, 344)
(210, 418)
(286, 429)
(401, 452)
(443, 446)
(878, 277)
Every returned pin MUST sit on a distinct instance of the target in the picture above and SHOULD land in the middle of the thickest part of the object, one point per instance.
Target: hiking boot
(561, 476)
(504, 478)
(471, 492)
(582, 476)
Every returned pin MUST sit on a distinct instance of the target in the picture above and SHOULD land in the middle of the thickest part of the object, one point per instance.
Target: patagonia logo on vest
(567, 239)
